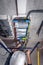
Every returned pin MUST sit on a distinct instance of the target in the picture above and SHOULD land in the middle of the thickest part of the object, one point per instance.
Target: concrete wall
(36, 20)
(8, 7)
(34, 4)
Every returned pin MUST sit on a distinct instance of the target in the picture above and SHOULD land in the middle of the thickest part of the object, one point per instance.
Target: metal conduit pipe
(34, 11)
(5, 47)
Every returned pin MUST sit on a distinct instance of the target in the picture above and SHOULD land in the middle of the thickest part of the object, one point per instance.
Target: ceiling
(21, 8)
(11, 7)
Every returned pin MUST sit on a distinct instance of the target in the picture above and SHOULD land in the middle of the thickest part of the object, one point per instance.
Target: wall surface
(8, 7)
(36, 20)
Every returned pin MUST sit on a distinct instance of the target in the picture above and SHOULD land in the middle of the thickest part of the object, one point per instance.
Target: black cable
(38, 31)
(34, 11)
(5, 48)
(35, 47)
